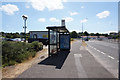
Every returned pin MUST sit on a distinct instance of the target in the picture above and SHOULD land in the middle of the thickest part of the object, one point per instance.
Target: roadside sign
(64, 41)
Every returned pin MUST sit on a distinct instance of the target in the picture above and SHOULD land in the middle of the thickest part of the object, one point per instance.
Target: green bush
(17, 52)
(37, 46)
(72, 39)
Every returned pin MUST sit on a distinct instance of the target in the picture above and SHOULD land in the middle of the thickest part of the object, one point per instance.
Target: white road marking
(80, 55)
(106, 66)
(80, 69)
(103, 53)
(95, 48)
(98, 50)
(111, 57)
(113, 47)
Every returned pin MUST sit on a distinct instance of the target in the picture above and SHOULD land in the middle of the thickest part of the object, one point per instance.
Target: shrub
(17, 52)
(72, 39)
(37, 45)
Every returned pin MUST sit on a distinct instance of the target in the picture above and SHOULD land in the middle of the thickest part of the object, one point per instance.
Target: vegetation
(15, 35)
(72, 39)
(17, 52)
(74, 34)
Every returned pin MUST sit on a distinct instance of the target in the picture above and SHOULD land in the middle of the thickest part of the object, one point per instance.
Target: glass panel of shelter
(53, 42)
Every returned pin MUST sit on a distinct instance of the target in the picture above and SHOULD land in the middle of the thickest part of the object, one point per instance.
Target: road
(106, 53)
(94, 60)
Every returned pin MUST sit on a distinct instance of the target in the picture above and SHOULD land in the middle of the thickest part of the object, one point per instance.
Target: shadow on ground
(56, 60)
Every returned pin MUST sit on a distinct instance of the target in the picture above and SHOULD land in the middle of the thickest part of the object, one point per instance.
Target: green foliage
(72, 39)
(15, 35)
(73, 34)
(17, 52)
(37, 46)
(86, 33)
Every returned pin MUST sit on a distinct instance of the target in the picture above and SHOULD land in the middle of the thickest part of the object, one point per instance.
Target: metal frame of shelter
(54, 41)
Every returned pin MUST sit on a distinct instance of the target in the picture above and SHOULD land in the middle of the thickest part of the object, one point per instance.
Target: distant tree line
(15, 35)
(74, 34)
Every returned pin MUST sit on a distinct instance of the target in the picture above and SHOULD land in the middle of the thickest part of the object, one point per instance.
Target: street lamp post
(82, 31)
(24, 18)
(82, 27)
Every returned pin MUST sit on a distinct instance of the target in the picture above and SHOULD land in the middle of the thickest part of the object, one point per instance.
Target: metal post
(82, 31)
(119, 39)
(25, 29)
(48, 42)
(24, 18)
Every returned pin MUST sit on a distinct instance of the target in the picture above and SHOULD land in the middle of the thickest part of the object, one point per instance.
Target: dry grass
(84, 44)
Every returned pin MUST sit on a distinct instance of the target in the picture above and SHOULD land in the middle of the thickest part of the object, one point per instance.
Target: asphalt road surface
(96, 60)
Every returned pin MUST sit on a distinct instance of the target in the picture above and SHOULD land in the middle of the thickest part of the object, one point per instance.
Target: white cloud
(84, 20)
(82, 6)
(0, 8)
(40, 5)
(64, 0)
(68, 19)
(103, 14)
(108, 32)
(73, 13)
(41, 19)
(9, 9)
(53, 19)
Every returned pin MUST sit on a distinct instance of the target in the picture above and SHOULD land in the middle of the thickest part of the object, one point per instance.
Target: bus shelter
(58, 39)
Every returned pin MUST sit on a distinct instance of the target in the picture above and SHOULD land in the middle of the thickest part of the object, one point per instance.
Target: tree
(80, 34)
(92, 34)
(106, 35)
(86, 33)
(97, 34)
(73, 34)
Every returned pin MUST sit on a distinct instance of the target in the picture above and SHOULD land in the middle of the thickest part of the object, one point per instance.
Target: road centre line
(95, 48)
(111, 57)
(98, 50)
(103, 53)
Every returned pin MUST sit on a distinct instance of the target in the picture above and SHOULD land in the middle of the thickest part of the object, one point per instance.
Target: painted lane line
(103, 53)
(80, 69)
(91, 46)
(111, 57)
(118, 61)
(95, 48)
(98, 50)
(80, 55)
(114, 47)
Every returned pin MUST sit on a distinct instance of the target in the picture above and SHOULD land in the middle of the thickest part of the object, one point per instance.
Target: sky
(101, 17)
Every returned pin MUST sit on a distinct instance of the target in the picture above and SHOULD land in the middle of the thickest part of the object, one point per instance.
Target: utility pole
(85, 20)
(82, 31)
(24, 18)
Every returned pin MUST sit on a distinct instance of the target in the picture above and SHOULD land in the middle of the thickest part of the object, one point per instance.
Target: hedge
(17, 52)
